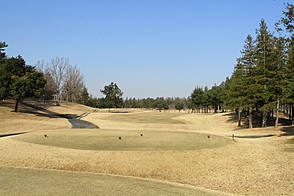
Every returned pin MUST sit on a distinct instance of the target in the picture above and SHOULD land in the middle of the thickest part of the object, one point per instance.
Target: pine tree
(241, 88)
(286, 25)
(278, 73)
(113, 95)
(198, 98)
(264, 61)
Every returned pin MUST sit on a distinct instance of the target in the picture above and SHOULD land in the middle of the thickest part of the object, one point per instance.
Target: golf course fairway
(17, 181)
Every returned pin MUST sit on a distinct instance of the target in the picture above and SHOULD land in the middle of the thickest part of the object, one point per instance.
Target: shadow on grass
(254, 136)
(48, 113)
(256, 121)
(11, 134)
(288, 131)
(233, 118)
(72, 118)
(41, 110)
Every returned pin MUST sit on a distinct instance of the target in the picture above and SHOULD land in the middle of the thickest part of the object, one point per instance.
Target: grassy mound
(44, 182)
(147, 117)
(121, 140)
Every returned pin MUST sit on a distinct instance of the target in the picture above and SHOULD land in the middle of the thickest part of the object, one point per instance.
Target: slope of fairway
(122, 140)
(147, 117)
(16, 181)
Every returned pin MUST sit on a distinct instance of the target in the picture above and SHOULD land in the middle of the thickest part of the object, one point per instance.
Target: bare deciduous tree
(50, 86)
(57, 70)
(63, 79)
(73, 84)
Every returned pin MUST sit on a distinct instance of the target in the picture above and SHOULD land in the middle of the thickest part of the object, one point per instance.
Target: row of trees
(263, 79)
(261, 85)
(204, 99)
(201, 100)
(57, 79)
(158, 103)
(18, 80)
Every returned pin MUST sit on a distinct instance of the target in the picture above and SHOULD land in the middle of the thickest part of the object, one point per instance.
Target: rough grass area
(291, 141)
(290, 145)
(147, 117)
(24, 182)
(34, 116)
(122, 140)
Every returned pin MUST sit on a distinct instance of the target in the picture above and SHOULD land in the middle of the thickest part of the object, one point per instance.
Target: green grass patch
(147, 117)
(25, 182)
(108, 140)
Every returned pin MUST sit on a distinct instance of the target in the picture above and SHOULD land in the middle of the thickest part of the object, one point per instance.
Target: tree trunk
(264, 118)
(239, 117)
(250, 118)
(277, 113)
(292, 114)
(16, 105)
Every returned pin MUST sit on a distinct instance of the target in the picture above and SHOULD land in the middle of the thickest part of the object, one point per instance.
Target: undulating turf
(290, 145)
(122, 140)
(25, 182)
(147, 117)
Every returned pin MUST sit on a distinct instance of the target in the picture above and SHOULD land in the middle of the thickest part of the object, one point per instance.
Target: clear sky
(149, 48)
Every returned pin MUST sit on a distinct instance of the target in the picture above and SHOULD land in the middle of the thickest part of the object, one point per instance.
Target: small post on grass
(233, 137)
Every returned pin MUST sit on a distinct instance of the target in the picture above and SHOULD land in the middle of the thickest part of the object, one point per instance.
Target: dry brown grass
(28, 119)
(52, 182)
(147, 118)
(246, 166)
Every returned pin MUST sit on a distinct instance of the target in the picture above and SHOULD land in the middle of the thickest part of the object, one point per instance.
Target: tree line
(263, 78)
(201, 100)
(56, 80)
(260, 87)
(18, 80)
(262, 83)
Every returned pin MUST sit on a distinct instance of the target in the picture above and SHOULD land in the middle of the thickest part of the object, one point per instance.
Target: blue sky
(149, 48)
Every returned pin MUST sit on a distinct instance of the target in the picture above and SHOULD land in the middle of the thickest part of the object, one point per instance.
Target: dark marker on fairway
(119, 137)
(45, 135)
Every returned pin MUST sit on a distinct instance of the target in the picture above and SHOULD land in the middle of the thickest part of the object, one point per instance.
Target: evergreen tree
(160, 104)
(179, 106)
(215, 97)
(3, 45)
(241, 88)
(263, 71)
(113, 95)
(198, 98)
(286, 25)
(31, 84)
(277, 75)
